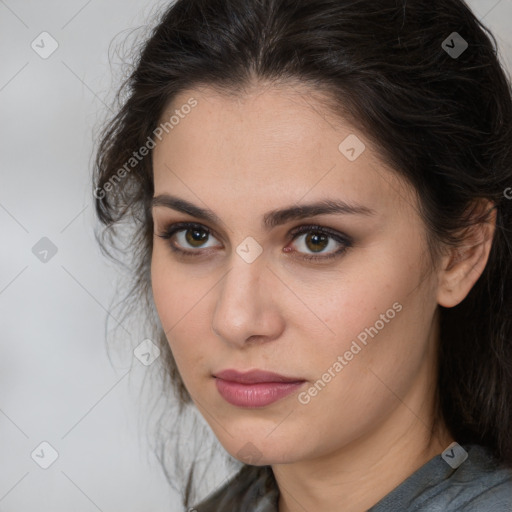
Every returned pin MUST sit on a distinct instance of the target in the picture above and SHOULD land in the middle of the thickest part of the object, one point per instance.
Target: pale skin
(369, 428)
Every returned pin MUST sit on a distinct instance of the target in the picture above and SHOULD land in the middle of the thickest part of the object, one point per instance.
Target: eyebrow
(272, 218)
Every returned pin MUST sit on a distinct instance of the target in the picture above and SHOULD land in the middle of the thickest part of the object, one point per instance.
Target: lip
(254, 376)
(256, 388)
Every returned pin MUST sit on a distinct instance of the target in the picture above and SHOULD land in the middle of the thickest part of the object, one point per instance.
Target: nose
(247, 308)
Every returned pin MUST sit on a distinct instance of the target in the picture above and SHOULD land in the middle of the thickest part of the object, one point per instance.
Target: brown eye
(195, 237)
(316, 241)
(185, 235)
(189, 239)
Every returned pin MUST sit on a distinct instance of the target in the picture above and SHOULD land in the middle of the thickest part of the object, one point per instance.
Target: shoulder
(252, 489)
(481, 484)
(476, 484)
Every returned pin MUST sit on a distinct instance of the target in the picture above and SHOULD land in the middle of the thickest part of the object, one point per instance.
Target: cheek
(179, 302)
(380, 359)
(357, 306)
(165, 286)
(354, 300)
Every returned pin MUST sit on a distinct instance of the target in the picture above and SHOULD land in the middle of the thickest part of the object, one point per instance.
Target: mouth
(256, 388)
(254, 377)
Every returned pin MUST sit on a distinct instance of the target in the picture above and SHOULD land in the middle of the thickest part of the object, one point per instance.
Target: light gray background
(57, 383)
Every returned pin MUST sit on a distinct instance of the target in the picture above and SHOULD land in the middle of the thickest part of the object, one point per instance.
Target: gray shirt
(461, 479)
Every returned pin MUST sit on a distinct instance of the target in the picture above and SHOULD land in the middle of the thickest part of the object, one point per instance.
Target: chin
(261, 449)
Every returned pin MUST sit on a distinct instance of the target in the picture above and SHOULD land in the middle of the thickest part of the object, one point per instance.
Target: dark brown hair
(442, 121)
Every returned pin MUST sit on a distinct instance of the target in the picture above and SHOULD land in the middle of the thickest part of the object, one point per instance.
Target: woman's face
(352, 328)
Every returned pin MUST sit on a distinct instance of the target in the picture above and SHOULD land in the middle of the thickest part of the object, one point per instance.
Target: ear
(463, 265)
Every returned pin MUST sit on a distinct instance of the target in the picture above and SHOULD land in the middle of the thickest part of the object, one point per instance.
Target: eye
(317, 239)
(188, 235)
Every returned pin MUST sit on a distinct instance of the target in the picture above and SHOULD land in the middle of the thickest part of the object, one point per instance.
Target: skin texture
(369, 428)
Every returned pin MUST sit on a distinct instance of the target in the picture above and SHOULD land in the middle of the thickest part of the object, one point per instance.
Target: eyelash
(343, 239)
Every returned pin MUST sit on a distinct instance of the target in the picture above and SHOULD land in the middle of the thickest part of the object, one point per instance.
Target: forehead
(272, 142)
(263, 119)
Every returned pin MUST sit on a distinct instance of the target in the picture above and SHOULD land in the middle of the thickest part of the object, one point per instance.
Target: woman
(318, 192)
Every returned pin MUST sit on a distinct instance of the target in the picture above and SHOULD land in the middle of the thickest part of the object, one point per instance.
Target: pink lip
(254, 376)
(256, 388)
